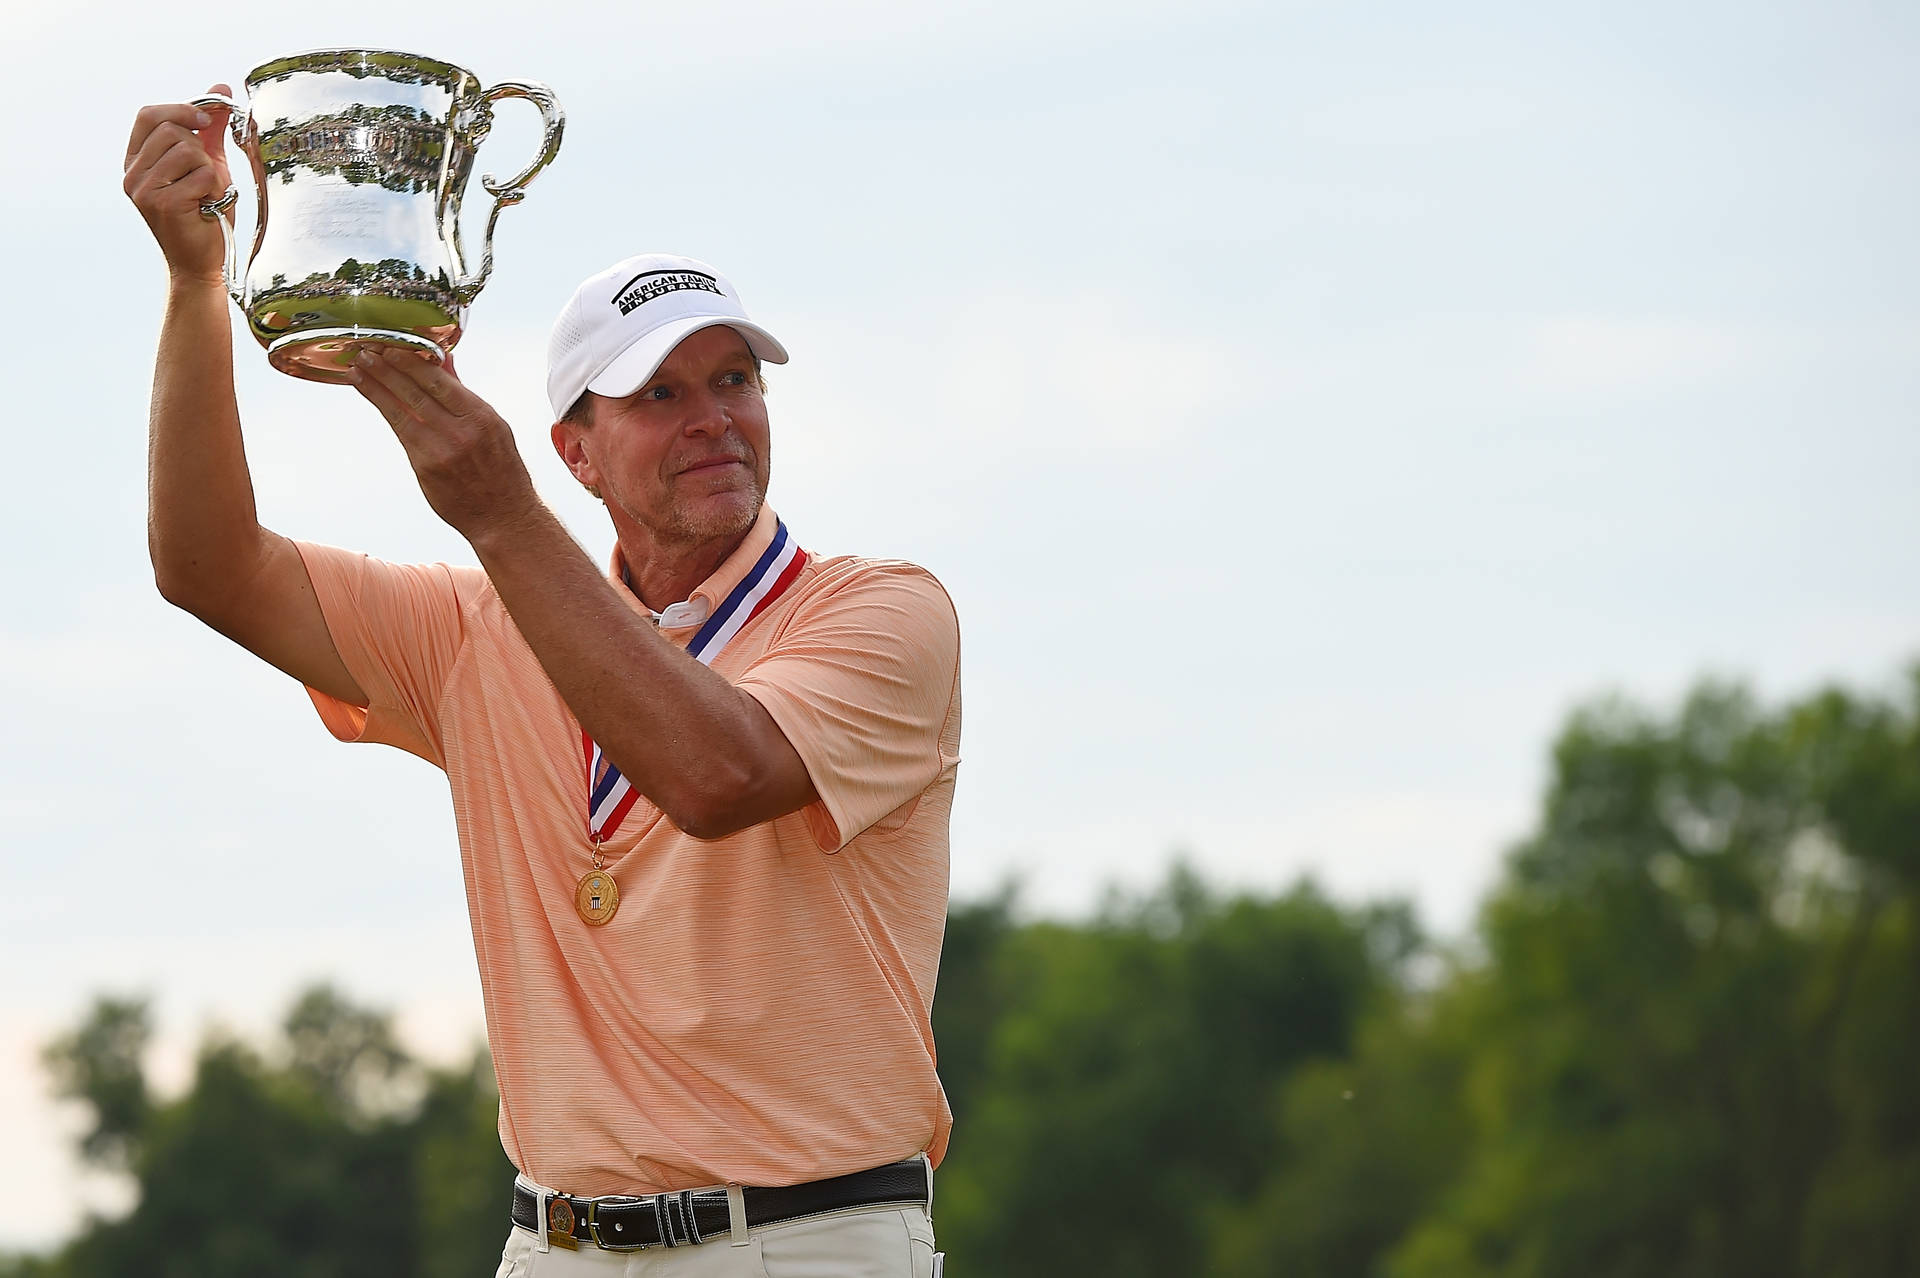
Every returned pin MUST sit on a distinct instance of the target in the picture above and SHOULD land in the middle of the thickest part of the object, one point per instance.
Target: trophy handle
(512, 192)
(238, 119)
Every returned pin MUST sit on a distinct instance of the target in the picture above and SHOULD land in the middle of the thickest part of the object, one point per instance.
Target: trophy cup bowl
(360, 161)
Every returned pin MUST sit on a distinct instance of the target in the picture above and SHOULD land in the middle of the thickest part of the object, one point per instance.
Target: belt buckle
(560, 1223)
(593, 1223)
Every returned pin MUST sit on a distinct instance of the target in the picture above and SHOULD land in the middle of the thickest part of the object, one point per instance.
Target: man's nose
(707, 415)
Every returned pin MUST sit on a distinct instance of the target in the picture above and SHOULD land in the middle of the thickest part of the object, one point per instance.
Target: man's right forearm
(202, 530)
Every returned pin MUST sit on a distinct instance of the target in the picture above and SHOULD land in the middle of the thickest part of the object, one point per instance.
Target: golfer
(701, 794)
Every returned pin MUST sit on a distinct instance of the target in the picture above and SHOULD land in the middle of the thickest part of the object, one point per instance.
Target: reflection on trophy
(360, 158)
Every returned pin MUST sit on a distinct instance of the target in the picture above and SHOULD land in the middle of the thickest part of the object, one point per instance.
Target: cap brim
(634, 367)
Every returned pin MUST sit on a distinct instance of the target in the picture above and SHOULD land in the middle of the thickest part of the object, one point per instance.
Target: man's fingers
(213, 137)
(432, 379)
(406, 394)
(157, 143)
(180, 159)
(438, 380)
(460, 449)
(149, 119)
(415, 385)
(378, 393)
(179, 184)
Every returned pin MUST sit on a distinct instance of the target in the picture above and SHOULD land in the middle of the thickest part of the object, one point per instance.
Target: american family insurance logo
(646, 286)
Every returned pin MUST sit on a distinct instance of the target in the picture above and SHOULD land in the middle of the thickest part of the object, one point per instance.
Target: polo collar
(693, 611)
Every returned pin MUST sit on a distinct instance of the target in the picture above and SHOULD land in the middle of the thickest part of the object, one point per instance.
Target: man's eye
(657, 392)
(735, 378)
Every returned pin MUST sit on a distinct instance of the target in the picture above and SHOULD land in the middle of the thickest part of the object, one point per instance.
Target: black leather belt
(623, 1223)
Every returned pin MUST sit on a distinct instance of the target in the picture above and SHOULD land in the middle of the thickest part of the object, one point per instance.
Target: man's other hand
(462, 451)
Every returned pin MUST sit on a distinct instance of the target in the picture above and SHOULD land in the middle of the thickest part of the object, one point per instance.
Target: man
(702, 798)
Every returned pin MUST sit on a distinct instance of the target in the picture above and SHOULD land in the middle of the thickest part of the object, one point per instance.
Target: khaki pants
(864, 1242)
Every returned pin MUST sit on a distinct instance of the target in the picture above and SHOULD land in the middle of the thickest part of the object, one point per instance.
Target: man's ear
(573, 454)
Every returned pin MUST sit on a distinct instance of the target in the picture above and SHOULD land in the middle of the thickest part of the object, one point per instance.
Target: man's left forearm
(705, 753)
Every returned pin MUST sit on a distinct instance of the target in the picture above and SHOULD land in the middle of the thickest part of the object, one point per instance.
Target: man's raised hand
(462, 452)
(176, 159)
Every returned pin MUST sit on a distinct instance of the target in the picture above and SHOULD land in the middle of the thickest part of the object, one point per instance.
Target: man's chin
(727, 514)
(699, 520)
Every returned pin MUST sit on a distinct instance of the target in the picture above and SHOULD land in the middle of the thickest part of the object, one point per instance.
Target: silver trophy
(360, 158)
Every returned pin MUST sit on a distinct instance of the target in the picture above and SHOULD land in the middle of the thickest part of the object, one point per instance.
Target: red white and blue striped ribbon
(610, 795)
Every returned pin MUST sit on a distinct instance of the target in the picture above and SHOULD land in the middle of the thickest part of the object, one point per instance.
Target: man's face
(686, 457)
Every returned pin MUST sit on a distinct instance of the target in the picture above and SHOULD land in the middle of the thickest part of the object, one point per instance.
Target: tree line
(1682, 1038)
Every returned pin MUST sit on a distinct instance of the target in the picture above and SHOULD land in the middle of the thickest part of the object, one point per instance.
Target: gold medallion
(597, 897)
(560, 1220)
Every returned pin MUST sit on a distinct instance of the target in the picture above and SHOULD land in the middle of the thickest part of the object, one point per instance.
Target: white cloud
(676, 34)
(1418, 115)
(1002, 376)
(87, 663)
(1440, 849)
(1599, 352)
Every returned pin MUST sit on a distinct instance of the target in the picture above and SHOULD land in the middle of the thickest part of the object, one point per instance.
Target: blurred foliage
(340, 1156)
(99, 1063)
(1682, 1040)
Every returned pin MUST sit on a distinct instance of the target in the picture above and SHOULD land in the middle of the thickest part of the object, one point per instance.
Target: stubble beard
(691, 524)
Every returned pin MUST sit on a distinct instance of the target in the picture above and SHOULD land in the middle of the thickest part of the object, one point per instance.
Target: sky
(1305, 405)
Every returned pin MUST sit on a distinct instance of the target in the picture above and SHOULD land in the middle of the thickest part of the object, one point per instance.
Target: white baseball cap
(618, 326)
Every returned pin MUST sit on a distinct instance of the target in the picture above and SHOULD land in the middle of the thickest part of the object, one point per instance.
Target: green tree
(970, 997)
(346, 1159)
(1682, 1040)
(461, 1179)
(99, 1065)
(346, 1056)
(1128, 1068)
(1858, 762)
(1364, 1146)
(1698, 1007)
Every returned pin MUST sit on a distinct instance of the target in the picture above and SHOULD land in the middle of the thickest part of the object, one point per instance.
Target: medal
(609, 794)
(598, 896)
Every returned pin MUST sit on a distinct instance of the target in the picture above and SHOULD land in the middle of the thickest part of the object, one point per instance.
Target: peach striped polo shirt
(758, 1011)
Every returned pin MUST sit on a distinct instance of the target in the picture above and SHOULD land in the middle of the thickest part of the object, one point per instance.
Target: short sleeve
(398, 629)
(864, 682)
